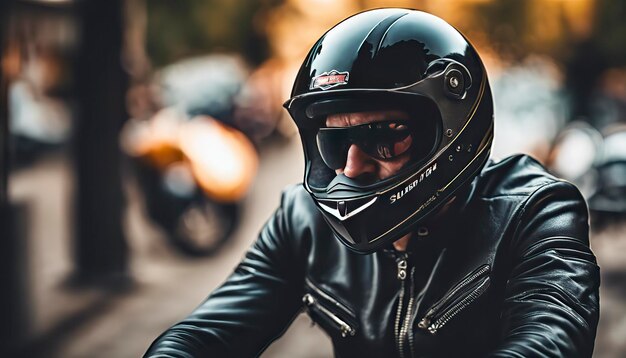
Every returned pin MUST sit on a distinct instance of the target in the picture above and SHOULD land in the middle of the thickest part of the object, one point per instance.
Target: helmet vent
(342, 208)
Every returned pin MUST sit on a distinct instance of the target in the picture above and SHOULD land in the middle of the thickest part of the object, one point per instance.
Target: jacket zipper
(402, 265)
(327, 297)
(345, 328)
(435, 320)
(402, 329)
(408, 334)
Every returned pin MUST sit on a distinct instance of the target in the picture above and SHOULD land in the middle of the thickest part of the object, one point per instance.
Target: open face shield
(392, 141)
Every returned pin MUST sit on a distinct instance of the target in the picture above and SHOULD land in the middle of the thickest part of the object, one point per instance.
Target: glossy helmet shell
(393, 59)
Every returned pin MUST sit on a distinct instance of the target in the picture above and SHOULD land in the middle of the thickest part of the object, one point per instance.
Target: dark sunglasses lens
(333, 145)
(380, 140)
(385, 140)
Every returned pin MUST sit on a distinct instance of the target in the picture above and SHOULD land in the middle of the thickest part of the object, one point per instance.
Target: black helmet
(392, 59)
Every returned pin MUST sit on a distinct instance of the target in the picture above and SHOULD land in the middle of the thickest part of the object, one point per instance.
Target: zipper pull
(308, 299)
(425, 322)
(346, 331)
(402, 266)
(427, 325)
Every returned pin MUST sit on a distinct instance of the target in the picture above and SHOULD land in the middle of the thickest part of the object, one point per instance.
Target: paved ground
(97, 323)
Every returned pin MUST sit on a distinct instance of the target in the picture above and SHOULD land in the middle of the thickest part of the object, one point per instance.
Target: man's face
(358, 162)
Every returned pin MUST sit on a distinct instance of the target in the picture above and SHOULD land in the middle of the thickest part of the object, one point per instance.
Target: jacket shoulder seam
(523, 205)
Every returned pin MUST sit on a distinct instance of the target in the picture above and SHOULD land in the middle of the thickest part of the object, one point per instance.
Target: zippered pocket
(456, 300)
(331, 314)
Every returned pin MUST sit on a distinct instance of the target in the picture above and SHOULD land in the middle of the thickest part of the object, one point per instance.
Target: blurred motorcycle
(596, 162)
(193, 173)
(193, 166)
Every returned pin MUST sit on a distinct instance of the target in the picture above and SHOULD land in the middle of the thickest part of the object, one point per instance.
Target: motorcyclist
(405, 239)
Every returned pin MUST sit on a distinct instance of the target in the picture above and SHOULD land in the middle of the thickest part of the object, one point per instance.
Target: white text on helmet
(413, 184)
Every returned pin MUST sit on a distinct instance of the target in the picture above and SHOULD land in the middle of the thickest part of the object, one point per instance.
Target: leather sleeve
(250, 310)
(551, 299)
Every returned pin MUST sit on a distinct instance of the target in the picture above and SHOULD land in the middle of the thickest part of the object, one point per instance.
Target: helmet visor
(389, 144)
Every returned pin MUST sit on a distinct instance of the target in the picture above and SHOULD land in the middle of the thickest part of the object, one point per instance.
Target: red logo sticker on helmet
(330, 79)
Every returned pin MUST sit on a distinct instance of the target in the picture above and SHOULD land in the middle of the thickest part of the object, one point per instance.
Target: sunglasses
(384, 141)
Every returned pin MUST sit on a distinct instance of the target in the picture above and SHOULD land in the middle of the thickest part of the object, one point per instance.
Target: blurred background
(143, 145)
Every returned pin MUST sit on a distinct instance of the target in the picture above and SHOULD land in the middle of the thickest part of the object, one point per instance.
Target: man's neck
(402, 243)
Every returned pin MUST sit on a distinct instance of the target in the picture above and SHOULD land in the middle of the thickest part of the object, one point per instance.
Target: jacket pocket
(459, 297)
(329, 313)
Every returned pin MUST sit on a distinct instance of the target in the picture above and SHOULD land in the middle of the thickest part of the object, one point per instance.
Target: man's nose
(358, 163)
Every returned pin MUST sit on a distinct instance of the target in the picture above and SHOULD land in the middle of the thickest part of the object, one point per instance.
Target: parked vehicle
(596, 162)
(193, 173)
(193, 166)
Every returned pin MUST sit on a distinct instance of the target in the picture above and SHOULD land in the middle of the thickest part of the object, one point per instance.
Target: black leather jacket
(510, 274)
